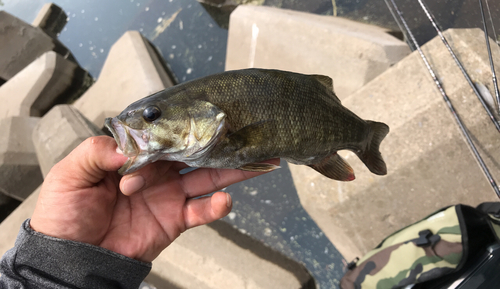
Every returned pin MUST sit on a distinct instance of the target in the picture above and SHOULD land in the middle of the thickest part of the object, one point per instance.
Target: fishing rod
(447, 100)
(487, 39)
(459, 64)
(492, 25)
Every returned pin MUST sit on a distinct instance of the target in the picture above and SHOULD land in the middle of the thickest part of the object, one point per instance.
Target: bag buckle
(426, 238)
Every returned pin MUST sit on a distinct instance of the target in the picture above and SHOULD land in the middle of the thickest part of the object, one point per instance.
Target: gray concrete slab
(59, 131)
(219, 256)
(22, 43)
(51, 19)
(47, 81)
(351, 53)
(19, 170)
(9, 228)
(429, 164)
(132, 71)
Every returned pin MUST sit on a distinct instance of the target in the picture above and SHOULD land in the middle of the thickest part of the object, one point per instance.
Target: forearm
(40, 261)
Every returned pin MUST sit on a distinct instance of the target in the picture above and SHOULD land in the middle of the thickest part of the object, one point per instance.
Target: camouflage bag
(427, 253)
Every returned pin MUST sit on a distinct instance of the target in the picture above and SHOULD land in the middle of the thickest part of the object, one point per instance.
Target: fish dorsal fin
(328, 83)
(325, 80)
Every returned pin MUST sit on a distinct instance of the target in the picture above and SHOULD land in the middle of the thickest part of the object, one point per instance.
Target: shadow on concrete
(7, 205)
(298, 270)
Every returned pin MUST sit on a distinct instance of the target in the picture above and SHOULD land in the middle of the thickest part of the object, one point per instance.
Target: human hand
(81, 199)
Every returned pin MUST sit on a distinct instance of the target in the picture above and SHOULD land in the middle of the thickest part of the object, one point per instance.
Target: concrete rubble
(140, 74)
(351, 53)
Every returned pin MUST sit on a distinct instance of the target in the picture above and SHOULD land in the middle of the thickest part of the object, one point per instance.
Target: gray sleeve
(40, 261)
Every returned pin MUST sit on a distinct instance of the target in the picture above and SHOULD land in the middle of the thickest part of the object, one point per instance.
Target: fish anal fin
(259, 167)
(335, 167)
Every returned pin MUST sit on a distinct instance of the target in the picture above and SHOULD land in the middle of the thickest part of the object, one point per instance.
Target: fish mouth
(131, 142)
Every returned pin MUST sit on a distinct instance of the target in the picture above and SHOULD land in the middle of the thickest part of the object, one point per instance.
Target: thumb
(89, 162)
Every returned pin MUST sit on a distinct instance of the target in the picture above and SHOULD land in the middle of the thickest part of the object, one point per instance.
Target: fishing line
(446, 100)
(459, 64)
(487, 40)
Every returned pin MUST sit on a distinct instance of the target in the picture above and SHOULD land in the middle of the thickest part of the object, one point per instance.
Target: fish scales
(267, 114)
(294, 104)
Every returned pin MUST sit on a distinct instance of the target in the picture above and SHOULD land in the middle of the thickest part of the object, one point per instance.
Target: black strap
(492, 208)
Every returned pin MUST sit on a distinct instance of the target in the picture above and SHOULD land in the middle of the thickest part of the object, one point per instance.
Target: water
(188, 38)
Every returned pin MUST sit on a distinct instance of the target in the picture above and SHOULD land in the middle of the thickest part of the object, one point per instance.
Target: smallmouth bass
(237, 119)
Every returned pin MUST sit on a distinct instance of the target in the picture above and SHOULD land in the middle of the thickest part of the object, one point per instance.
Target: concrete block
(350, 53)
(22, 43)
(61, 130)
(9, 227)
(51, 19)
(47, 81)
(132, 70)
(429, 163)
(19, 170)
(219, 256)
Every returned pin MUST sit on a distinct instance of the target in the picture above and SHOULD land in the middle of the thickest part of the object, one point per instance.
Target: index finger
(204, 180)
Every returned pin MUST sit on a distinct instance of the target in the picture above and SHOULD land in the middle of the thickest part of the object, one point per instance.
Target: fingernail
(229, 201)
(133, 184)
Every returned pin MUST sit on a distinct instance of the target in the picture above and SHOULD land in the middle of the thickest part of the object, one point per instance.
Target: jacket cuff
(74, 263)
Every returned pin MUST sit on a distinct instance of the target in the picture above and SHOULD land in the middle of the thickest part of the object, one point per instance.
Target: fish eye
(151, 113)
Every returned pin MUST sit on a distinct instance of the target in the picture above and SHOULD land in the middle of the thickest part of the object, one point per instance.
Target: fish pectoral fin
(252, 134)
(335, 167)
(259, 167)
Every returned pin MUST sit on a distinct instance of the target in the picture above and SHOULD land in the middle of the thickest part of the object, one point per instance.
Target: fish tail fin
(371, 156)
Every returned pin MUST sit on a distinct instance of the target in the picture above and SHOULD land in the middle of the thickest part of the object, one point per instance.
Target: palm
(144, 223)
